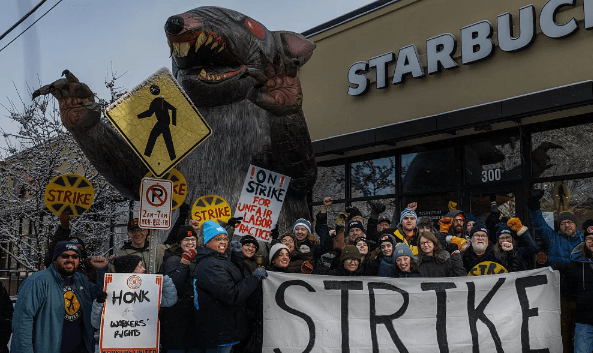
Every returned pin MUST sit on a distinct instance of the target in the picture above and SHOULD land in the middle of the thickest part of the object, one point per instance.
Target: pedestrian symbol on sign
(160, 107)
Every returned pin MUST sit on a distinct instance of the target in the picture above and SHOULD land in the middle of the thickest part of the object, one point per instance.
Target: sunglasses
(66, 256)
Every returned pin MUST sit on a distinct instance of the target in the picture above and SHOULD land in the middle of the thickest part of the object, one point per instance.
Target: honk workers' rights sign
(511, 312)
(130, 316)
(260, 203)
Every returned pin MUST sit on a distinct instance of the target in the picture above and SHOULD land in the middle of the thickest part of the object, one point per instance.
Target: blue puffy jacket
(39, 311)
(559, 246)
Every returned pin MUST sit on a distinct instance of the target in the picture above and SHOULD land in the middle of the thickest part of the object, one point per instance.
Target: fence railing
(12, 279)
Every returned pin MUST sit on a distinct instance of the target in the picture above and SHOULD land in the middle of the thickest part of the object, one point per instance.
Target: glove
(535, 195)
(184, 211)
(189, 254)
(260, 273)
(376, 208)
(236, 246)
(457, 241)
(101, 297)
(234, 221)
(515, 224)
(306, 267)
(274, 232)
(445, 224)
(452, 205)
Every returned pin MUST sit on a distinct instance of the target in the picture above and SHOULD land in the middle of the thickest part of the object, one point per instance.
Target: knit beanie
(350, 252)
(77, 240)
(126, 263)
(302, 222)
(384, 219)
(275, 251)
(503, 230)
(566, 216)
(210, 229)
(184, 232)
(402, 249)
(354, 211)
(250, 239)
(480, 226)
(407, 212)
(588, 223)
(470, 217)
(64, 246)
(356, 224)
(387, 238)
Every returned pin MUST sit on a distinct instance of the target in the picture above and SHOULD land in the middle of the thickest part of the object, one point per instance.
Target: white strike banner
(130, 315)
(514, 312)
(260, 202)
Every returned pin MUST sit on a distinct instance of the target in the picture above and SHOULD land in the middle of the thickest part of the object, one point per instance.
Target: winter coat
(246, 265)
(6, 311)
(39, 311)
(559, 246)
(168, 298)
(144, 253)
(177, 322)
(442, 264)
(220, 293)
(509, 260)
(526, 248)
(386, 267)
(341, 271)
(400, 237)
(580, 275)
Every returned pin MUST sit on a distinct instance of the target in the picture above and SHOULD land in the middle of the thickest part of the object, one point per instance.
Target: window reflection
(496, 159)
(428, 170)
(568, 195)
(432, 206)
(373, 177)
(562, 151)
(365, 209)
(330, 182)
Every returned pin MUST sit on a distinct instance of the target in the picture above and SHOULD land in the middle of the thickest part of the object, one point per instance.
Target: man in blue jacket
(53, 310)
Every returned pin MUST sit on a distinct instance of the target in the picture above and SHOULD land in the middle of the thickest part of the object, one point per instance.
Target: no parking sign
(155, 203)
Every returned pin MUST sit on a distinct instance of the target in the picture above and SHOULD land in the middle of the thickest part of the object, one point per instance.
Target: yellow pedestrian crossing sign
(159, 122)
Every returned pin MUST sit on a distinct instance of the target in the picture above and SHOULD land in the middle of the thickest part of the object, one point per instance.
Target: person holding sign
(220, 293)
(177, 322)
(53, 310)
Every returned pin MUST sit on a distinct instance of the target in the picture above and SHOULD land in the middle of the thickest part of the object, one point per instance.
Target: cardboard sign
(211, 207)
(159, 122)
(155, 203)
(512, 312)
(130, 321)
(69, 192)
(260, 202)
(179, 186)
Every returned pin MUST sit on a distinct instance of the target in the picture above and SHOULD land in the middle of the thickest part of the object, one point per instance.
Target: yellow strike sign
(487, 268)
(69, 192)
(159, 122)
(179, 186)
(211, 207)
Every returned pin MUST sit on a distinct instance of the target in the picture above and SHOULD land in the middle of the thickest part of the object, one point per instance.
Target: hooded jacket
(580, 274)
(400, 237)
(39, 311)
(441, 265)
(220, 293)
(559, 246)
(144, 253)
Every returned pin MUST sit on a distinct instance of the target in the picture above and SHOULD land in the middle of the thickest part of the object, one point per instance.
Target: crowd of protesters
(212, 293)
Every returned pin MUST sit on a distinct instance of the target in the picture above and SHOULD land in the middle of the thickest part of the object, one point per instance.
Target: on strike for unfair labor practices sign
(260, 202)
(130, 320)
(155, 203)
(512, 312)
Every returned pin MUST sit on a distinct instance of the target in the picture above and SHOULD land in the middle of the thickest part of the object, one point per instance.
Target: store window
(426, 171)
(373, 177)
(330, 182)
(568, 195)
(433, 206)
(493, 159)
(365, 208)
(562, 151)
(332, 213)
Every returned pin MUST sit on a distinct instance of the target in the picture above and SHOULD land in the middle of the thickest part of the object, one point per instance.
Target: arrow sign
(155, 203)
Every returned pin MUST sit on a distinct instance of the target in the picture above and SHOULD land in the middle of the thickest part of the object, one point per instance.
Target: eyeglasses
(250, 245)
(589, 239)
(458, 220)
(351, 260)
(190, 240)
(73, 256)
(566, 223)
(290, 240)
(425, 243)
(476, 235)
(221, 239)
(505, 238)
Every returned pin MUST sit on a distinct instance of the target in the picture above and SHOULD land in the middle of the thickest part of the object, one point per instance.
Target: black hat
(126, 263)
(353, 212)
(250, 239)
(480, 226)
(566, 216)
(133, 224)
(588, 223)
(356, 224)
(350, 252)
(184, 232)
(504, 229)
(64, 246)
(384, 219)
(387, 238)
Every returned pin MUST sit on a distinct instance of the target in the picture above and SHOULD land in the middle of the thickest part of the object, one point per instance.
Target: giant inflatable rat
(243, 79)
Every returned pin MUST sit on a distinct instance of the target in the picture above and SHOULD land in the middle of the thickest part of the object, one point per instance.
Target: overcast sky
(89, 37)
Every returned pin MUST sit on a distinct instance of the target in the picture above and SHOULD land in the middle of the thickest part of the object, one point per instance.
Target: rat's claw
(70, 76)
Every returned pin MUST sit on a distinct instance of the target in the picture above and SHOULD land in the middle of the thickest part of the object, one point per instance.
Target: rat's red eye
(255, 28)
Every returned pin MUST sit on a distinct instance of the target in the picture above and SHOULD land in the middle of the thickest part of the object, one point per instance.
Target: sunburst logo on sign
(134, 282)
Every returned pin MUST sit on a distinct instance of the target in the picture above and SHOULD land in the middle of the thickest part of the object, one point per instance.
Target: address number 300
(491, 175)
